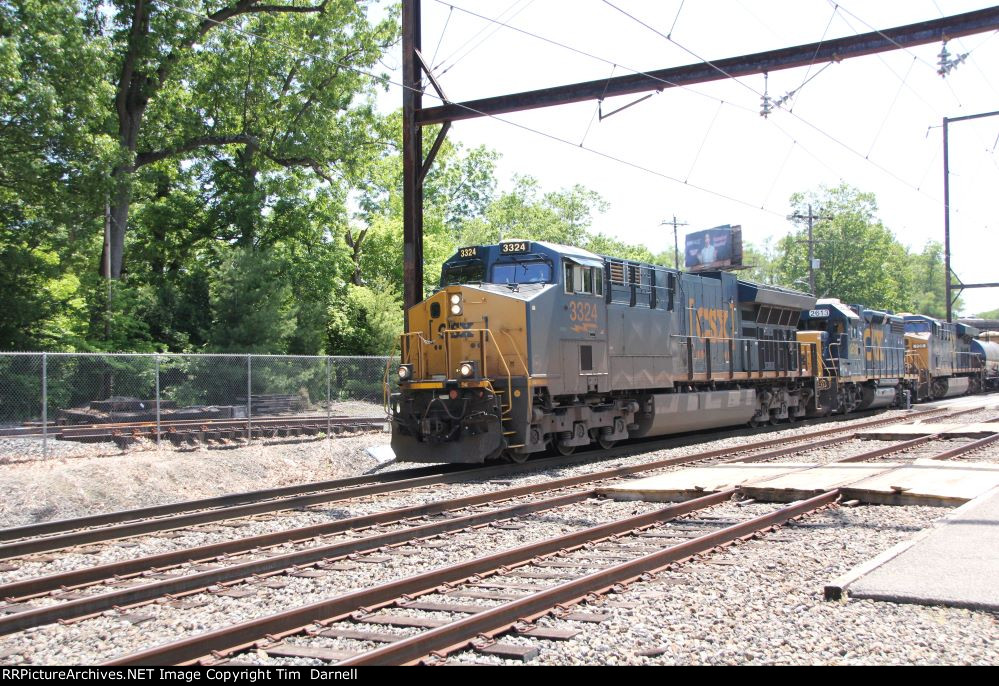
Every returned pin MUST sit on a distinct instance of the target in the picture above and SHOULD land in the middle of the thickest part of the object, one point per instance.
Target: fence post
(249, 406)
(45, 406)
(328, 398)
(156, 357)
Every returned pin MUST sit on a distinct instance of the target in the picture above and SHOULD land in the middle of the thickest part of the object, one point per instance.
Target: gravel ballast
(764, 607)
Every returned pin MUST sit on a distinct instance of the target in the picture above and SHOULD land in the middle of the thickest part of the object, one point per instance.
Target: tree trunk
(119, 221)
(130, 105)
(249, 210)
(355, 244)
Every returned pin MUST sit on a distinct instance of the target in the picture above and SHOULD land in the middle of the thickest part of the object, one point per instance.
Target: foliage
(367, 321)
(861, 261)
(927, 282)
(761, 263)
(251, 302)
(52, 112)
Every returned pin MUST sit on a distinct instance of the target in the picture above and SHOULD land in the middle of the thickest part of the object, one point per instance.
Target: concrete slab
(903, 432)
(805, 483)
(923, 482)
(954, 563)
(382, 454)
(926, 482)
(690, 483)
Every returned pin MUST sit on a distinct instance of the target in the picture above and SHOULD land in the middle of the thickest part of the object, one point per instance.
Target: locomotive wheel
(605, 444)
(515, 457)
(565, 450)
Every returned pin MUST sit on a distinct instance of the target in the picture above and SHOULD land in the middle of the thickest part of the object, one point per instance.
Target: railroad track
(191, 431)
(596, 560)
(230, 566)
(61, 534)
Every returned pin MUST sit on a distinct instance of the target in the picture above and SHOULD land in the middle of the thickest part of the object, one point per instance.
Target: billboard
(717, 248)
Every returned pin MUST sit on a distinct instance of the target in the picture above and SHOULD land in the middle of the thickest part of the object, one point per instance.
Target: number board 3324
(515, 247)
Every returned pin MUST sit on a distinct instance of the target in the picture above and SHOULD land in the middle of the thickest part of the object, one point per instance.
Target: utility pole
(676, 242)
(811, 217)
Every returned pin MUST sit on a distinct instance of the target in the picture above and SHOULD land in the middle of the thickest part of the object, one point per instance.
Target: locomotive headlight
(455, 309)
(456, 304)
(405, 372)
(466, 370)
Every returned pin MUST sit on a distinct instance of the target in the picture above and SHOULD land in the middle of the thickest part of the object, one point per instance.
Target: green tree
(252, 305)
(187, 85)
(927, 282)
(365, 321)
(762, 264)
(861, 261)
(526, 212)
(459, 186)
(53, 152)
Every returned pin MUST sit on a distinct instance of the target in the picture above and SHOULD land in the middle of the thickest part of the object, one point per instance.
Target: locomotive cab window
(531, 271)
(583, 280)
(465, 272)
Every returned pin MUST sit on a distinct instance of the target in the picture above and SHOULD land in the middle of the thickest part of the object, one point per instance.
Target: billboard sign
(717, 248)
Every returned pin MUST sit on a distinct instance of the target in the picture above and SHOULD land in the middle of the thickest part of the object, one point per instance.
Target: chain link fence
(43, 395)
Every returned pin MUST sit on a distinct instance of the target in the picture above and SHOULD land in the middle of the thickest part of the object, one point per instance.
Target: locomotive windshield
(467, 272)
(534, 271)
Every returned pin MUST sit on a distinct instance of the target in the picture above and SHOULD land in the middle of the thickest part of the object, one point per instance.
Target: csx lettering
(712, 323)
(582, 311)
(875, 340)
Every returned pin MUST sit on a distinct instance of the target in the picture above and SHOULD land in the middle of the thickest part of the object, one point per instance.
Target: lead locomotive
(528, 346)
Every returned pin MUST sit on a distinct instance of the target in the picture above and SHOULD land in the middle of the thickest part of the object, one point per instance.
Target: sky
(705, 154)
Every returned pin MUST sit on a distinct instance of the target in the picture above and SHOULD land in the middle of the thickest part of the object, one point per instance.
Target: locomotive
(529, 346)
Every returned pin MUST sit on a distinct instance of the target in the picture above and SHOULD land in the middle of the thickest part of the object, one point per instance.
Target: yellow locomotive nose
(461, 367)
(465, 332)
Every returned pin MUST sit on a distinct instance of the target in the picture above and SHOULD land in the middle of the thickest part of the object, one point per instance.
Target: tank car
(528, 345)
(940, 355)
(986, 348)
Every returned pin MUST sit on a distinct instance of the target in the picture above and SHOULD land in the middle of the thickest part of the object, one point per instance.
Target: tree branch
(288, 8)
(310, 162)
(144, 158)
(214, 19)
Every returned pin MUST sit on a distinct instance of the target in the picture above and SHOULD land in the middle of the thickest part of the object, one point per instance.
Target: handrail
(789, 346)
(491, 337)
(447, 335)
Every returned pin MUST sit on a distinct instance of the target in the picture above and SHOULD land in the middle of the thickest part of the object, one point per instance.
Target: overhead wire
(704, 140)
(947, 82)
(891, 107)
(780, 171)
(433, 59)
(441, 70)
(804, 121)
(676, 18)
(436, 65)
(807, 77)
(665, 82)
